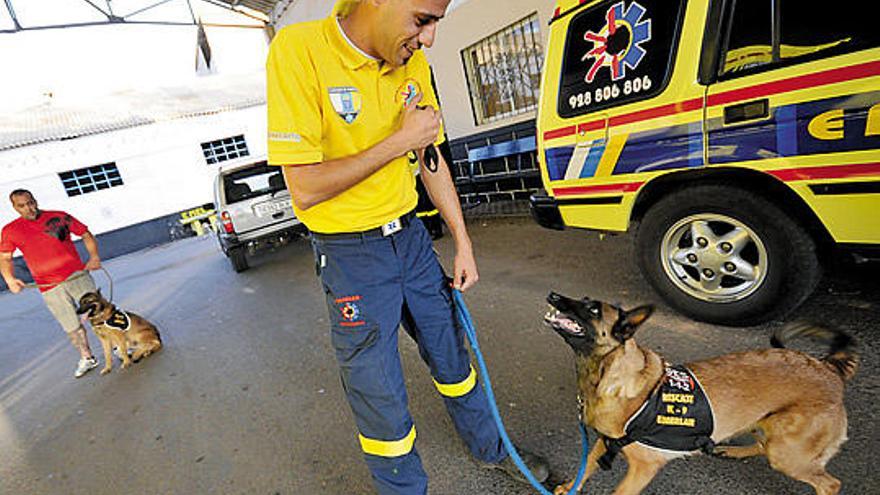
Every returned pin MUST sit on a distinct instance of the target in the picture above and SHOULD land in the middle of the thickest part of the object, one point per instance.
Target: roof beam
(12, 15)
(234, 8)
(104, 23)
(112, 18)
(99, 9)
(138, 11)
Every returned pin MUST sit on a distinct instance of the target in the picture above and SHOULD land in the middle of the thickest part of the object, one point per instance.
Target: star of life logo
(618, 44)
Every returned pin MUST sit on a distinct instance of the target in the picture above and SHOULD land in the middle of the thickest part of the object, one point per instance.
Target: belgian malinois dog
(790, 402)
(120, 329)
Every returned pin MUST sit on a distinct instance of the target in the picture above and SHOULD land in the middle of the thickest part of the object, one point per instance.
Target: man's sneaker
(85, 364)
(536, 464)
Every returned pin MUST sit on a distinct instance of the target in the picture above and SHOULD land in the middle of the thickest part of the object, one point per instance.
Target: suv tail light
(226, 220)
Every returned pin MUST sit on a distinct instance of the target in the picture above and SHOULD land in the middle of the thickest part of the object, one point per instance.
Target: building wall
(464, 26)
(163, 171)
(293, 11)
(162, 167)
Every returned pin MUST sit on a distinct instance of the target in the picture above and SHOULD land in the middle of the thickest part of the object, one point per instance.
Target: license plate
(270, 208)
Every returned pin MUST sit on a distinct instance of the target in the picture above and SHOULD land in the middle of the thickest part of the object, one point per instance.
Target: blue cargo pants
(373, 283)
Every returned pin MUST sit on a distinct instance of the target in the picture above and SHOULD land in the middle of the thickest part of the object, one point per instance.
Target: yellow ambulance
(738, 139)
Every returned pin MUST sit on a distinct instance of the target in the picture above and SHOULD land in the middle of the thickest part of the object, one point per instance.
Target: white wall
(294, 11)
(162, 168)
(466, 25)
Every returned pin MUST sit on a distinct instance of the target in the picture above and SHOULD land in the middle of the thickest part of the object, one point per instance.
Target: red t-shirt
(46, 246)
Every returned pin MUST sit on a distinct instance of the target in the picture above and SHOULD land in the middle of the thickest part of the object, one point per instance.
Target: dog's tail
(842, 355)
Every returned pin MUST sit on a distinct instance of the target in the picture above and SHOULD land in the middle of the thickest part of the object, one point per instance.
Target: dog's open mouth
(559, 322)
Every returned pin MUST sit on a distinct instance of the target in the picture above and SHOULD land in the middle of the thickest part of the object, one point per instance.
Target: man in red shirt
(43, 237)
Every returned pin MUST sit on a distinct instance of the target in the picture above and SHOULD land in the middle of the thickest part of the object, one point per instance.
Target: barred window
(225, 149)
(504, 71)
(90, 179)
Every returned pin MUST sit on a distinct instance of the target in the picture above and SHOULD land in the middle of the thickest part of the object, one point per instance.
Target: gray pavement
(245, 398)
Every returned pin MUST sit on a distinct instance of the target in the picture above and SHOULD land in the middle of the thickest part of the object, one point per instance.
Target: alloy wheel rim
(714, 258)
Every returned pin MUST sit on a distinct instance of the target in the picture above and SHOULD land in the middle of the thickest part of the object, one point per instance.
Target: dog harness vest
(677, 416)
(119, 320)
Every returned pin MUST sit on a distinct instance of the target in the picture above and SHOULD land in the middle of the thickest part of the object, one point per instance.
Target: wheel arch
(769, 187)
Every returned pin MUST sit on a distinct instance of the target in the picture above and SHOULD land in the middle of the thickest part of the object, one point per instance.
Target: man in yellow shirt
(349, 97)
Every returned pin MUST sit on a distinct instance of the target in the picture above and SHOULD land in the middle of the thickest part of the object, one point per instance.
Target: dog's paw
(106, 370)
(563, 488)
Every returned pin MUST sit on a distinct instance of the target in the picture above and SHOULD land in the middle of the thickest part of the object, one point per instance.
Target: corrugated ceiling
(264, 6)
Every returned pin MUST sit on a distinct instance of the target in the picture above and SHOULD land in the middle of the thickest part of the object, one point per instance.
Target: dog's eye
(594, 310)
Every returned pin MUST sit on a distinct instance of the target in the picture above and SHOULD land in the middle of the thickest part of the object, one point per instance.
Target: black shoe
(536, 464)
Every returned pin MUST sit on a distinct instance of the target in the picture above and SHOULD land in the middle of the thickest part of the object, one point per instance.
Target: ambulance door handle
(750, 110)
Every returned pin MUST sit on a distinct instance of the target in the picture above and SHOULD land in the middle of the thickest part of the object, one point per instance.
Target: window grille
(504, 71)
(225, 149)
(90, 179)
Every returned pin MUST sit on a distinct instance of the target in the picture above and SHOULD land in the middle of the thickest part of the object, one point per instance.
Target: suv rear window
(251, 182)
(617, 52)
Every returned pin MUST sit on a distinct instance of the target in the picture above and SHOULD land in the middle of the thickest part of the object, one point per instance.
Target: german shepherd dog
(790, 402)
(120, 329)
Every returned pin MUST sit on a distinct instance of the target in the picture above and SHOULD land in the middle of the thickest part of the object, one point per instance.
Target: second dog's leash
(464, 317)
(76, 275)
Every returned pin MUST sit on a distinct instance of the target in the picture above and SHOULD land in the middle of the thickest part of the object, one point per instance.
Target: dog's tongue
(561, 322)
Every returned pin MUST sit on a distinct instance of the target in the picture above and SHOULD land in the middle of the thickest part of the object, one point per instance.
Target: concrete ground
(245, 398)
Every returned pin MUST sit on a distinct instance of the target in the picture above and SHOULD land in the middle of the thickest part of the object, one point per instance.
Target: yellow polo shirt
(326, 100)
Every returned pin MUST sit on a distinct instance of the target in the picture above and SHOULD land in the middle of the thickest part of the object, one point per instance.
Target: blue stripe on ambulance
(786, 133)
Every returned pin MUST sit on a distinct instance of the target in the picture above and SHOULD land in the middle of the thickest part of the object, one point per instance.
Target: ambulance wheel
(724, 255)
(238, 259)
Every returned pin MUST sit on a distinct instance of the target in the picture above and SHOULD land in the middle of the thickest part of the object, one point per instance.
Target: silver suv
(255, 211)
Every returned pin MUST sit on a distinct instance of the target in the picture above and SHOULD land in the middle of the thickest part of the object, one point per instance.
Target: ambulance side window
(766, 34)
(617, 52)
(813, 33)
(749, 39)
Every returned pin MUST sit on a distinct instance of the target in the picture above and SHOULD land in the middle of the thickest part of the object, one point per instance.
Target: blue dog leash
(464, 317)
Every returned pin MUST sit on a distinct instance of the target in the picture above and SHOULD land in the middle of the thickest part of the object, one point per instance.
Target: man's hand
(15, 285)
(419, 126)
(93, 264)
(464, 268)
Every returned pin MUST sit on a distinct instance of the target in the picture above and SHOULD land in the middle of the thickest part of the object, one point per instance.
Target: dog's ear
(629, 321)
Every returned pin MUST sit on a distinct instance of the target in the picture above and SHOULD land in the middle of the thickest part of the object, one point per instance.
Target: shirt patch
(119, 320)
(407, 92)
(288, 137)
(347, 102)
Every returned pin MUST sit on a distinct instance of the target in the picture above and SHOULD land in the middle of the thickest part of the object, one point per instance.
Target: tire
(238, 259)
(724, 255)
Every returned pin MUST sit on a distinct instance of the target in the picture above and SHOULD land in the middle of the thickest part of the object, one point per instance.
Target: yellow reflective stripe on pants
(458, 389)
(389, 448)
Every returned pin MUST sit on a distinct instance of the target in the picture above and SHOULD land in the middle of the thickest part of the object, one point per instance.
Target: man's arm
(312, 184)
(7, 270)
(442, 191)
(91, 244)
